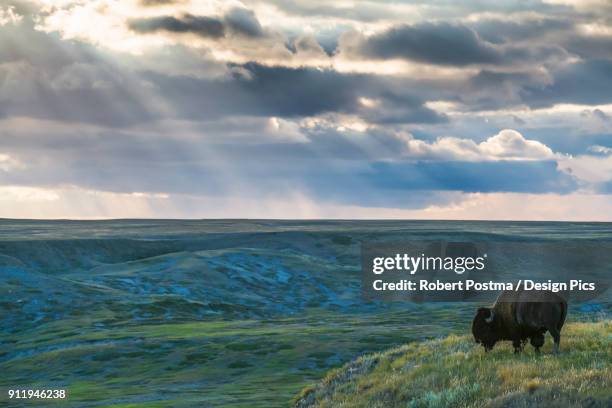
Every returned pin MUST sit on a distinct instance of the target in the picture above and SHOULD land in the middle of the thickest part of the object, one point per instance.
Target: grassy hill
(224, 313)
(454, 372)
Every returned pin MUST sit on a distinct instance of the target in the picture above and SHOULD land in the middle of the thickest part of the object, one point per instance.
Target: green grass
(455, 372)
(239, 363)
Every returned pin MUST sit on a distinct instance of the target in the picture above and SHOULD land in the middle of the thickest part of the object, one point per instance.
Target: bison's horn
(490, 318)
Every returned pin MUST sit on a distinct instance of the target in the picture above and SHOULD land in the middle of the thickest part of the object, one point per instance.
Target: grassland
(254, 363)
(454, 372)
(228, 313)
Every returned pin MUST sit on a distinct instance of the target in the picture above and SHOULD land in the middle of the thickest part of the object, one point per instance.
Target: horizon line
(103, 219)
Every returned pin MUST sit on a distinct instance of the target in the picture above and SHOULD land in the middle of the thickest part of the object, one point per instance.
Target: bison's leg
(518, 345)
(537, 341)
(556, 335)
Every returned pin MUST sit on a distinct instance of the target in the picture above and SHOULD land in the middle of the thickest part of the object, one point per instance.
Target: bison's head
(483, 328)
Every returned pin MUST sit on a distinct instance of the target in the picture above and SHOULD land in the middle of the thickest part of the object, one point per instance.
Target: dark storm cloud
(588, 47)
(441, 43)
(202, 26)
(561, 32)
(397, 108)
(237, 21)
(45, 77)
(585, 82)
(448, 44)
(69, 80)
(255, 89)
(488, 90)
(172, 119)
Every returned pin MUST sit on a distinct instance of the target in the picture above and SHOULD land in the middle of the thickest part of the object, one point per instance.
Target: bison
(519, 316)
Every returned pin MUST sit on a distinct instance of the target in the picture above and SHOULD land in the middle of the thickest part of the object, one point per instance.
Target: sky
(419, 109)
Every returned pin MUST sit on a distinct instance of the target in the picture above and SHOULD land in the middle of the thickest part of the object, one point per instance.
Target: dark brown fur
(518, 318)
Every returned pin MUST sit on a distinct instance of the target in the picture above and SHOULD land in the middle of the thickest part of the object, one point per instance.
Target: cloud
(584, 82)
(72, 94)
(254, 89)
(492, 176)
(592, 170)
(442, 43)
(579, 83)
(584, 5)
(153, 3)
(504, 29)
(308, 45)
(379, 12)
(585, 38)
(200, 25)
(20, 202)
(21, 194)
(8, 163)
(588, 47)
(396, 108)
(237, 21)
(511, 145)
(243, 22)
(72, 81)
(601, 150)
(8, 15)
(42, 76)
(226, 158)
(161, 107)
(506, 145)
(600, 115)
(605, 188)
(523, 206)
